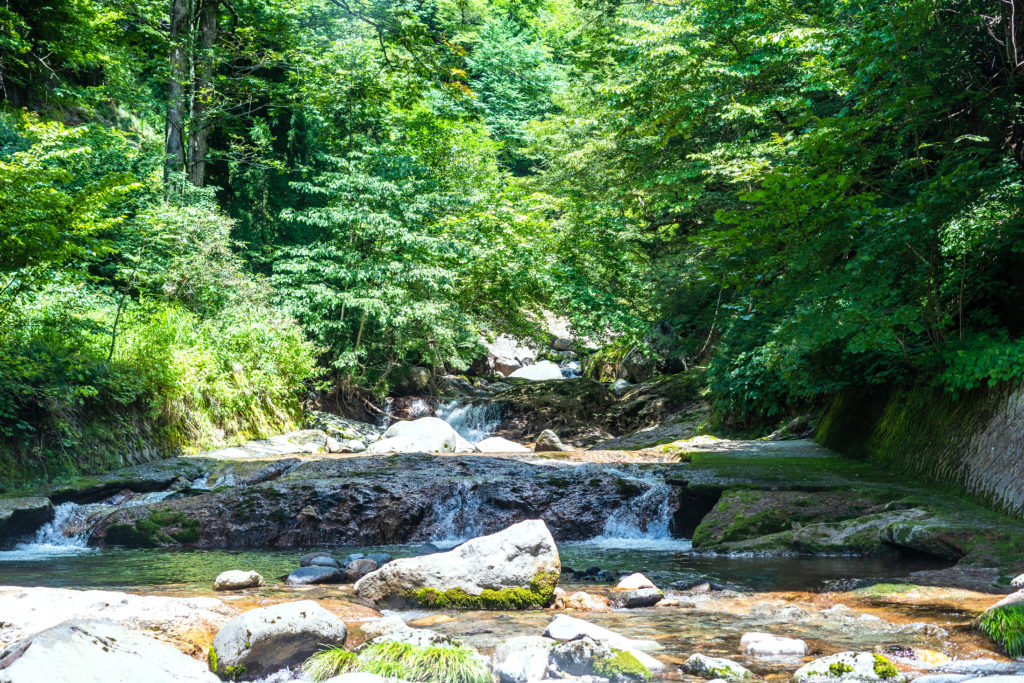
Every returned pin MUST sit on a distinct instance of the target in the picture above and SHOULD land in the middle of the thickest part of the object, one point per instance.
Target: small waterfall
(385, 418)
(67, 533)
(473, 421)
(456, 516)
(643, 523)
(72, 524)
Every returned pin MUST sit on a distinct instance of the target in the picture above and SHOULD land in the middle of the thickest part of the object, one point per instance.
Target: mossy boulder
(517, 568)
(741, 514)
(849, 666)
(161, 527)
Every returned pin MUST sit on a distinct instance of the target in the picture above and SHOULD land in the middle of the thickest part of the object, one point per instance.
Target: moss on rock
(539, 594)
(160, 528)
(621, 666)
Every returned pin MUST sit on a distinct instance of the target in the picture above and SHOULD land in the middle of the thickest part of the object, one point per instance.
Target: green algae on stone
(538, 595)
(838, 669)
(160, 528)
(884, 668)
(621, 666)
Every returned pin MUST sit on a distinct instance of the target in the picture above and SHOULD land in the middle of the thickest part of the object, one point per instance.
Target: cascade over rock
(517, 564)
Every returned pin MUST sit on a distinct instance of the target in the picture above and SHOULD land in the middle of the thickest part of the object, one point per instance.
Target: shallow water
(668, 562)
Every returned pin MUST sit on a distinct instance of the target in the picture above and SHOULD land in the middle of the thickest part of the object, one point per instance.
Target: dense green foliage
(212, 198)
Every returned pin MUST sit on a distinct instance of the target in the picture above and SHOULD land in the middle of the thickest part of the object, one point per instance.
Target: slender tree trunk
(199, 124)
(174, 144)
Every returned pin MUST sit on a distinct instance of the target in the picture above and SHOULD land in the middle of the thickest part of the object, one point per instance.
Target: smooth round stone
(236, 579)
(325, 561)
(352, 558)
(635, 582)
(305, 576)
(380, 558)
(307, 559)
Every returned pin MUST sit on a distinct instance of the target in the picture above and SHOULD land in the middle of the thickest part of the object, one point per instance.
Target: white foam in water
(473, 421)
(643, 523)
(66, 534)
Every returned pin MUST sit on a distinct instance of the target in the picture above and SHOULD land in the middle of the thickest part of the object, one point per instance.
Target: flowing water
(473, 421)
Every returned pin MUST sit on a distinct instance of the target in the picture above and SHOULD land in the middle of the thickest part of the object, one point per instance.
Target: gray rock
(548, 441)
(307, 559)
(342, 428)
(576, 657)
(437, 547)
(173, 620)
(411, 379)
(325, 561)
(236, 579)
(854, 666)
(394, 630)
(523, 666)
(497, 444)
(507, 647)
(942, 678)
(380, 558)
(542, 371)
(511, 558)
(423, 435)
(357, 569)
(304, 576)
(561, 344)
(768, 645)
(352, 558)
(639, 597)
(982, 667)
(20, 516)
(715, 667)
(565, 628)
(92, 651)
(271, 638)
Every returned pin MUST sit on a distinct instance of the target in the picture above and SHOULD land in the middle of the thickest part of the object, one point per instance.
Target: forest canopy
(211, 208)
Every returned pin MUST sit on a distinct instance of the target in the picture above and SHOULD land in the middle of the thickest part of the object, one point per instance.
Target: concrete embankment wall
(973, 442)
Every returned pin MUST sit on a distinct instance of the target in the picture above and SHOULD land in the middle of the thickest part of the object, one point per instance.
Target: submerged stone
(312, 575)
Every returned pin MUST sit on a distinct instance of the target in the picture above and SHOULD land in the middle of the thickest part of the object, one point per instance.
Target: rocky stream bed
(735, 537)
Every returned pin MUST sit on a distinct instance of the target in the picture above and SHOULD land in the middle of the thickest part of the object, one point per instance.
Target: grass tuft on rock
(1005, 626)
(330, 662)
(404, 661)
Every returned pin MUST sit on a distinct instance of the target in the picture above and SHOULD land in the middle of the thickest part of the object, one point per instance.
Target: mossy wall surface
(130, 436)
(973, 443)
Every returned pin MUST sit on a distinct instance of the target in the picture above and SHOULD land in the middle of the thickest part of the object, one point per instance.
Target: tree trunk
(174, 144)
(202, 92)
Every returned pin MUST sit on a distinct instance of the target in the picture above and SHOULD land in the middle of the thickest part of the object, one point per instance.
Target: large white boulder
(185, 623)
(522, 556)
(1018, 582)
(539, 372)
(497, 444)
(271, 638)
(849, 666)
(768, 645)
(96, 651)
(427, 434)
